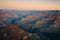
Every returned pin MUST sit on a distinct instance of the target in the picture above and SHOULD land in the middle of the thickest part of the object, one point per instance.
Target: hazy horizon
(31, 4)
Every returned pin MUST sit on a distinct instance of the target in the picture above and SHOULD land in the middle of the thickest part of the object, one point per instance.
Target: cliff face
(56, 19)
(29, 25)
(12, 33)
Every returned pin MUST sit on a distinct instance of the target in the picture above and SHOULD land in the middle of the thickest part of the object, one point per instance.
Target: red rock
(13, 32)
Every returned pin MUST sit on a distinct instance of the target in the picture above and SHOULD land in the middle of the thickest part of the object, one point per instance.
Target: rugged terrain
(29, 25)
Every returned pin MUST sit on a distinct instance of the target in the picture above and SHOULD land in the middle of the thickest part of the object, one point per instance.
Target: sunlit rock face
(29, 25)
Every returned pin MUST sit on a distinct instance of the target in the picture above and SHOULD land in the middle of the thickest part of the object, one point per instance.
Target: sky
(31, 4)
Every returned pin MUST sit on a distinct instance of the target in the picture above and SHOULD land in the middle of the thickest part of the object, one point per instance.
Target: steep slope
(29, 25)
(12, 33)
